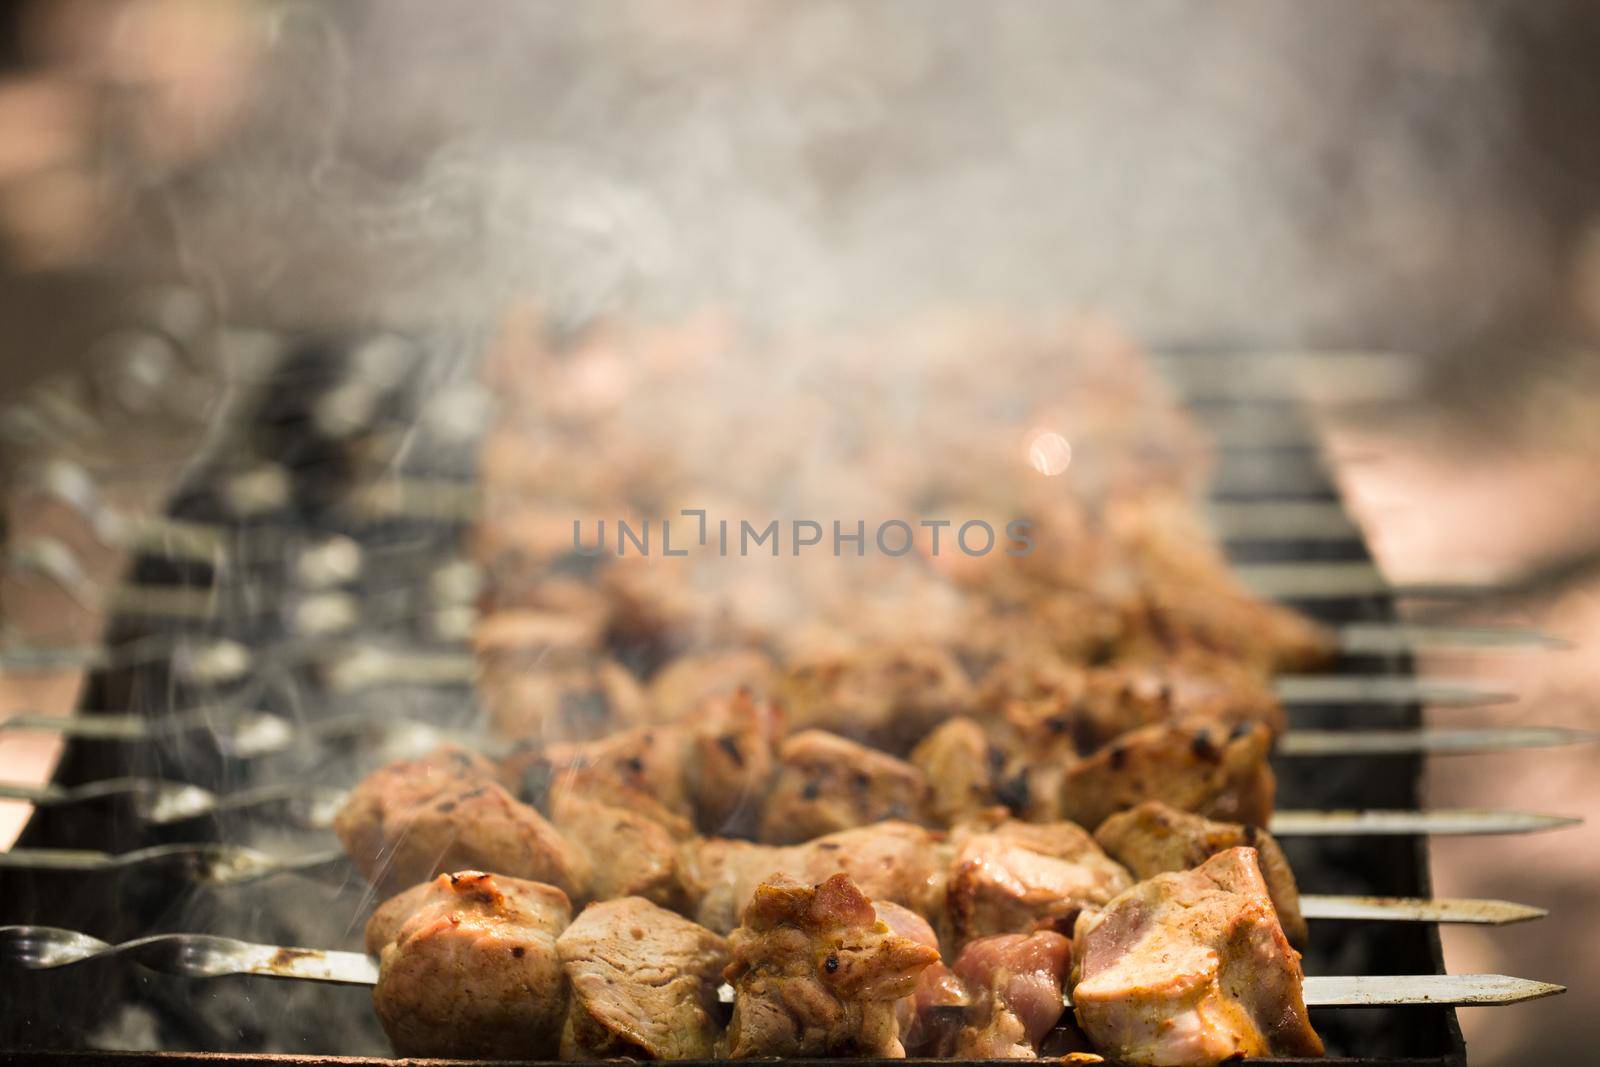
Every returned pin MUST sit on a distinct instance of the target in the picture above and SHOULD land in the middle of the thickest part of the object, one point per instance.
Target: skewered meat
(644, 983)
(815, 973)
(1193, 765)
(892, 861)
(960, 765)
(556, 702)
(688, 682)
(472, 970)
(924, 1015)
(888, 696)
(1016, 980)
(1016, 877)
(642, 770)
(410, 820)
(827, 783)
(1153, 838)
(1191, 968)
(631, 855)
(732, 760)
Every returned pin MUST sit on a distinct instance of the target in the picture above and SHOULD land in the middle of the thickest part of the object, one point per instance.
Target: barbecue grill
(268, 684)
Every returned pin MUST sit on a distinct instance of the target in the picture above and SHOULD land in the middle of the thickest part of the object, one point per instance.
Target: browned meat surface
(1153, 838)
(891, 861)
(642, 770)
(827, 783)
(1191, 968)
(924, 1015)
(1193, 765)
(688, 682)
(815, 973)
(631, 855)
(555, 701)
(889, 696)
(410, 820)
(960, 765)
(644, 983)
(1016, 981)
(471, 971)
(1018, 877)
(732, 760)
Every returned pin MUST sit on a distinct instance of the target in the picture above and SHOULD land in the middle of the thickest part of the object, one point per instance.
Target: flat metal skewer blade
(1438, 822)
(1381, 638)
(191, 955)
(1438, 990)
(1421, 910)
(1439, 741)
(1383, 690)
(1282, 520)
(1346, 580)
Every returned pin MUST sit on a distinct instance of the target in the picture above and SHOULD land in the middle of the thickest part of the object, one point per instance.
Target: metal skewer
(1453, 910)
(1349, 579)
(1438, 741)
(1446, 822)
(208, 956)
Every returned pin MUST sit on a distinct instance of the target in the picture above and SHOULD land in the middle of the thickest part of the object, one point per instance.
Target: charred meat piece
(888, 696)
(1153, 838)
(644, 983)
(892, 861)
(1191, 968)
(471, 971)
(1018, 877)
(815, 973)
(688, 682)
(642, 770)
(631, 855)
(732, 759)
(1193, 765)
(410, 820)
(1015, 981)
(961, 766)
(827, 783)
(555, 701)
(925, 1015)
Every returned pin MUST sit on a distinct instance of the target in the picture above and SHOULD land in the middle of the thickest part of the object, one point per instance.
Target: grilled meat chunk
(1193, 765)
(960, 765)
(888, 696)
(1191, 968)
(642, 770)
(554, 701)
(410, 820)
(892, 861)
(644, 983)
(471, 971)
(924, 1028)
(688, 682)
(732, 759)
(631, 855)
(1154, 838)
(827, 783)
(816, 973)
(1018, 877)
(1015, 981)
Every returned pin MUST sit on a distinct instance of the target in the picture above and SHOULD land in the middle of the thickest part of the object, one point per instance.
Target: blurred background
(1417, 177)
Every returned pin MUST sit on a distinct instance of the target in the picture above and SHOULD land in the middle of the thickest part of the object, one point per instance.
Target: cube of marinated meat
(688, 682)
(471, 970)
(961, 766)
(1191, 968)
(732, 759)
(644, 984)
(815, 973)
(408, 821)
(886, 696)
(1018, 877)
(642, 770)
(1193, 765)
(631, 854)
(555, 701)
(827, 783)
(925, 1016)
(1015, 981)
(892, 861)
(1154, 838)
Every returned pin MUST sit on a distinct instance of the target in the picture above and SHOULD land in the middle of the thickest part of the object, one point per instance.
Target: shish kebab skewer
(209, 956)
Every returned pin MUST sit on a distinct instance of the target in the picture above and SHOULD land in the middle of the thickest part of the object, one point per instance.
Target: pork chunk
(1191, 968)
(924, 1015)
(816, 973)
(682, 686)
(630, 854)
(410, 820)
(1015, 981)
(1193, 765)
(733, 756)
(1154, 838)
(644, 983)
(888, 696)
(471, 971)
(827, 783)
(960, 764)
(1019, 877)
(642, 770)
